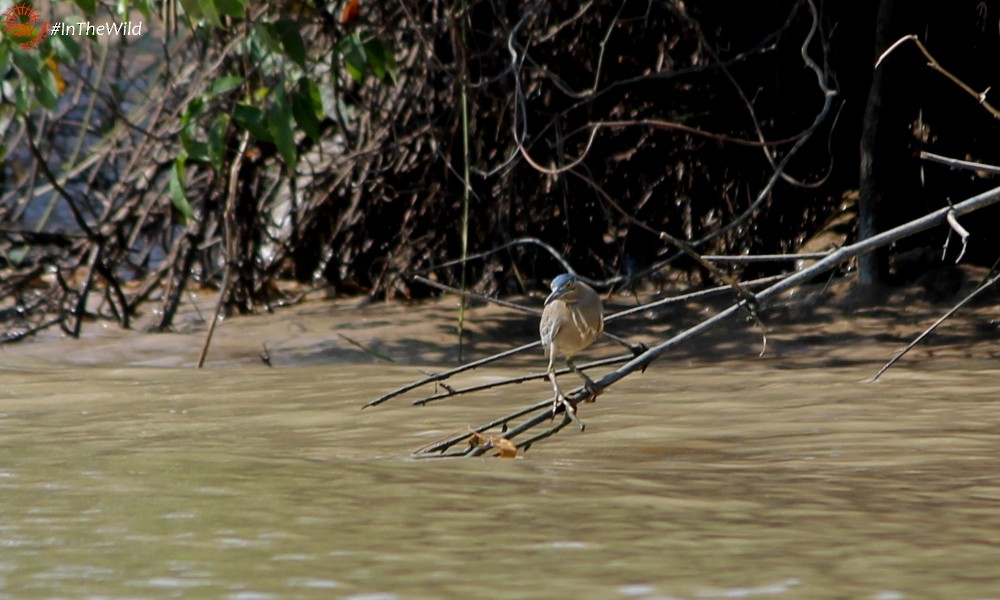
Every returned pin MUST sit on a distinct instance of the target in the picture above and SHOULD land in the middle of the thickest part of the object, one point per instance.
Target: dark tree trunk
(889, 177)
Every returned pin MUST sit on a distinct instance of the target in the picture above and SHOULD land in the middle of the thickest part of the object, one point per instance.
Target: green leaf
(381, 59)
(211, 13)
(65, 46)
(260, 94)
(232, 8)
(27, 63)
(225, 84)
(353, 52)
(304, 108)
(261, 34)
(191, 114)
(88, 6)
(177, 196)
(5, 60)
(145, 7)
(122, 10)
(291, 40)
(22, 96)
(192, 9)
(47, 93)
(40, 76)
(253, 120)
(279, 122)
(314, 94)
(217, 141)
(196, 151)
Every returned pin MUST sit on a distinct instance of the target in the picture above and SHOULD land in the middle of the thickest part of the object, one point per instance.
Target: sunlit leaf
(353, 52)
(225, 84)
(381, 59)
(53, 66)
(192, 9)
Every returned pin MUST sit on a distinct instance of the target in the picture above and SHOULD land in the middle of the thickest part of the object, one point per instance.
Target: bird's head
(564, 286)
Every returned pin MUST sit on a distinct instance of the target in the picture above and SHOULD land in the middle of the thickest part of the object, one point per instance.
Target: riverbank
(813, 326)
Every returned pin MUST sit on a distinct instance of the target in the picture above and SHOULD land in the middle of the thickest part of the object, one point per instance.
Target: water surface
(691, 481)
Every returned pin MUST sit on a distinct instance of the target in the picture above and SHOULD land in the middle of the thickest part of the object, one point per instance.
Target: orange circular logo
(21, 21)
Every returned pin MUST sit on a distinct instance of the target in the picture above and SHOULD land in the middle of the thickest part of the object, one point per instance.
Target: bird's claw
(561, 400)
(568, 409)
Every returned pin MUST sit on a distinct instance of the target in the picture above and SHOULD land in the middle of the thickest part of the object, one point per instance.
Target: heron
(572, 319)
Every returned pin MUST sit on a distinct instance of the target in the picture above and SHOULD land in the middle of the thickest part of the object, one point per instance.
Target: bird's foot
(592, 391)
(568, 408)
(561, 401)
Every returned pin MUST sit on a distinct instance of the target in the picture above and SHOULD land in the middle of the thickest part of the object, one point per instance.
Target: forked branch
(542, 412)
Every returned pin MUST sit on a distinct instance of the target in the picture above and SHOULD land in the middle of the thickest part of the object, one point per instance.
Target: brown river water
(125, 473)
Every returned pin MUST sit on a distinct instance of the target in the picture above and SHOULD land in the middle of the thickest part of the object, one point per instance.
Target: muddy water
(691, 481)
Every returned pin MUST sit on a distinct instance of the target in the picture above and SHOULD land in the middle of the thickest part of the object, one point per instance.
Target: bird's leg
(588, 383)
(560, 398)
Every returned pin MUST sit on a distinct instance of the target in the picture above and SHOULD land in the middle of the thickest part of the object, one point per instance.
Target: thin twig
(452, 392)
(980, 97)
(961, 231)
(234, 171)
(934, 326)
(449, 373)
(959, 164)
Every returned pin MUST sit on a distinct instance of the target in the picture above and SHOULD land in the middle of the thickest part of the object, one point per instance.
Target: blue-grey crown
(563, 280)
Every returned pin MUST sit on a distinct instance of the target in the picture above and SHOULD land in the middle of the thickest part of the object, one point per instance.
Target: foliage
(326, 143)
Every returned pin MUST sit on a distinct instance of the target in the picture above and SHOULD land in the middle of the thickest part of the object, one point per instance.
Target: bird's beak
(555, 295)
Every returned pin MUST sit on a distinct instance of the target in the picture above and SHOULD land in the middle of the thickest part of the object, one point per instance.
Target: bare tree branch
(835, 258)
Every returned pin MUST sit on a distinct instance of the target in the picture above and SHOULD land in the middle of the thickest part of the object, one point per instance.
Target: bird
(572, 319)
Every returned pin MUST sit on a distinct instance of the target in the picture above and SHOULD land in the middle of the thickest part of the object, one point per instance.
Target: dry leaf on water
(505, 447)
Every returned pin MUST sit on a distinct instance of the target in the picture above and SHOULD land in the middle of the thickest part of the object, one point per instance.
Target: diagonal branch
(936, 66)
(544, 410)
